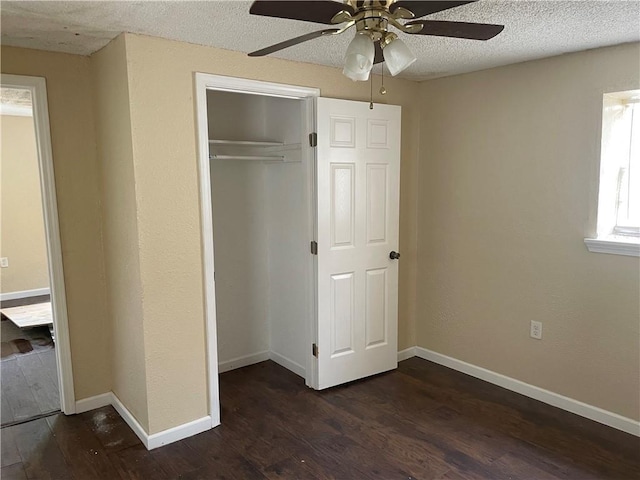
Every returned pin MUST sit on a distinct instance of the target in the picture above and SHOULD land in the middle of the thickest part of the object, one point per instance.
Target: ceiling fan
(374, 42)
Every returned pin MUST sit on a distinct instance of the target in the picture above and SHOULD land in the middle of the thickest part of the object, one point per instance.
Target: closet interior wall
(260, 229)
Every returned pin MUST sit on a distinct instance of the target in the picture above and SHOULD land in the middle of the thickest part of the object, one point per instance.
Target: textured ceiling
(533, 29)
(15, 96)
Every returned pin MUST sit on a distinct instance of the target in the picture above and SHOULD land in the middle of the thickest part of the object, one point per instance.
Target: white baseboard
(406, 353)
(24, 294)
(166, 436)
(247, 360)
(150, 441)
(244, 361)
(128, 417)
(91, 403)
(565, 403)
(180, 432)
(288, 364)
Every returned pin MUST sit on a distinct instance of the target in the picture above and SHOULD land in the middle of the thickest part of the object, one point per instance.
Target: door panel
(377, 203)
(342, 313)
(358, 175)
(343, 205)
(375, 313)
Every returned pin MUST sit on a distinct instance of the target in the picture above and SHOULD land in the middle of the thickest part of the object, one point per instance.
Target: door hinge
(314, 248)
(313, 139)
(314, 350)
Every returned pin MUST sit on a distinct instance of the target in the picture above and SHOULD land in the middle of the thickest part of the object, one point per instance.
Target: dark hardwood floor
(422, 421)
(28, 386)
(29, 380)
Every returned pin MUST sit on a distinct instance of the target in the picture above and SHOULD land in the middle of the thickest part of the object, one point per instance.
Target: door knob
(394, 255)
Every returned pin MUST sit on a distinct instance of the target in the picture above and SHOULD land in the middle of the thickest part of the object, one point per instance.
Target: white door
(358, 185)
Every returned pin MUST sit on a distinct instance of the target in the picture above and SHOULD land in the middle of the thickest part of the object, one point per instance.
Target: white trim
(253, 87)
(150, 441)
(202, 83)
(36, 292)
(130, 420)
(206, 220)
(288, 364)
(178, 433)
(91, 403)
(406, 353)
(166, 436)
(617, 247)
(38, 88)
(243, 361)
(16, 110)
(565, 403)
(254, 358)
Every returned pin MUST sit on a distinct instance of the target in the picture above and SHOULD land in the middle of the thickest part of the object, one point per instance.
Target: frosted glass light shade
(397, 56)
(358, 60)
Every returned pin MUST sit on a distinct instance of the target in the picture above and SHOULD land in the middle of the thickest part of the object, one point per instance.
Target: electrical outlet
(4, 262)
(536, 330)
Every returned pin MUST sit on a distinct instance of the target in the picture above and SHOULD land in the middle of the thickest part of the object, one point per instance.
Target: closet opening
(258, 225)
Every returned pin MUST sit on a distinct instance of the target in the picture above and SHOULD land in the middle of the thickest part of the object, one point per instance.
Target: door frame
(202, 83)
(38, 88)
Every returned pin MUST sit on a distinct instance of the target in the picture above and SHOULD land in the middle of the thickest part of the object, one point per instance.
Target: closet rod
(248, 157)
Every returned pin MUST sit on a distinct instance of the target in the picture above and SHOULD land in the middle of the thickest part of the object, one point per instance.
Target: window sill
(614, 245)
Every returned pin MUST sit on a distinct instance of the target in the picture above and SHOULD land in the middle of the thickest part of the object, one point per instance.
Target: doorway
(248, 155)
(305, 224)
(36, 366)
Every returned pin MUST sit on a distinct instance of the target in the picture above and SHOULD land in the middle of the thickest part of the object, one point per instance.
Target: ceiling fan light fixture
(397, 55)
(358, 59)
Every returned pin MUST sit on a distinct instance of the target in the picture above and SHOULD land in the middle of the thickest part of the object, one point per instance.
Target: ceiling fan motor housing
(373, 17)
(374, 24)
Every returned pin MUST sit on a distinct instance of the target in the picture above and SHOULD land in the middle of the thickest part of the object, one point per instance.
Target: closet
(261, 229)
(300, 210)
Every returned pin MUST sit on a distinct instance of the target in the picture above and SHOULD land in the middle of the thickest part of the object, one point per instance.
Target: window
(619, 192)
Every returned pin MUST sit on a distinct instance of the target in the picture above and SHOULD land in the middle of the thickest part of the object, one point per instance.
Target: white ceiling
(534, 29)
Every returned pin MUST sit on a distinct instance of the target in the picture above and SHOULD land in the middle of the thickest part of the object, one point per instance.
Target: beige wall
(120, 227)
(505, 192)
(76, 173)
(161, 77)
(508, 190)
(22, 238)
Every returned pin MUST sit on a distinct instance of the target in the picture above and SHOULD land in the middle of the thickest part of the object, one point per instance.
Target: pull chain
(382, 89)
(371, 92)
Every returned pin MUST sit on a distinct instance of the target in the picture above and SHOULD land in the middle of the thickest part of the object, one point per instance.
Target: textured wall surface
(22, 238)
(161, 77)
(76, 173)
(505, 191)
(120, 228)
(508, 178)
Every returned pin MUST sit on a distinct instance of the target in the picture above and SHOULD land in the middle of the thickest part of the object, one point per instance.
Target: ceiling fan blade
(292, 41)
(379, 58)
(472, 31)
(318, 11)
(422, 8)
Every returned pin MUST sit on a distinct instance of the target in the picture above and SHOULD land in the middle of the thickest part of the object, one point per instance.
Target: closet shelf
(245, 143)
(271, 158)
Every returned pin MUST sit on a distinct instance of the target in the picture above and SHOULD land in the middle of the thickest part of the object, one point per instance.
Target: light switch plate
(4, 262)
